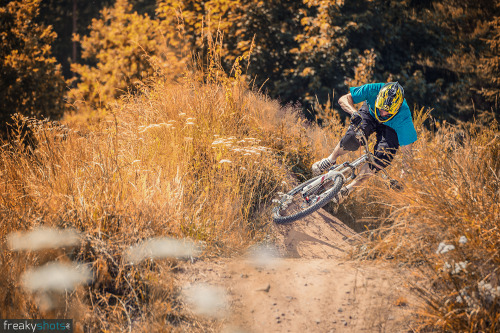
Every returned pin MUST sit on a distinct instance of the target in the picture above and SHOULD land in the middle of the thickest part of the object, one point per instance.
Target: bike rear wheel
(294, 205)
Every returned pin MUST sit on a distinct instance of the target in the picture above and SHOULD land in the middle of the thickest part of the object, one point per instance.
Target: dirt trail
(312, 289)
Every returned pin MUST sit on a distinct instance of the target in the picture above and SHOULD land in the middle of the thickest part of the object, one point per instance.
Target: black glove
(356, 119)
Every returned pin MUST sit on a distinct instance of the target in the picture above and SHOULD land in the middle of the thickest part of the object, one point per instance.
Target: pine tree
(122, 49)
(261, 32)
(490, 66)
(31, 82)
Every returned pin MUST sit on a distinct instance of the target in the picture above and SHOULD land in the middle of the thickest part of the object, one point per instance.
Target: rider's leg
(337, 152)
(364, 173)
(386, 147)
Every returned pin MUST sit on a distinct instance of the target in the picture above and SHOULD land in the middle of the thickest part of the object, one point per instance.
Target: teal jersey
(402, 122)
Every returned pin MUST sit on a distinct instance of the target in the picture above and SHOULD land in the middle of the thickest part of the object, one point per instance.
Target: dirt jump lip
(317, 236)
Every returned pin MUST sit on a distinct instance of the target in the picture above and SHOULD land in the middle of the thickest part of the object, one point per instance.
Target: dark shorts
(387, 140)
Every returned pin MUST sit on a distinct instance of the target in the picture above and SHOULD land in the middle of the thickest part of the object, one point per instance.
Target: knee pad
(349, 142)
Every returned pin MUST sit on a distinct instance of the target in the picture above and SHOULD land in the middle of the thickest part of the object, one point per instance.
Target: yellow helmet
(389, 99)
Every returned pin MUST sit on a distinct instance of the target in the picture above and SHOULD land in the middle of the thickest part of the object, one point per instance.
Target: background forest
(57, 54)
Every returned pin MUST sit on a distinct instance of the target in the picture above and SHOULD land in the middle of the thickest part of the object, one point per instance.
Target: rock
(266, 289)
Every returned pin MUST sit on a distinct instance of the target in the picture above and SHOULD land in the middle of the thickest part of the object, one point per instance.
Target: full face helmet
(390, 98)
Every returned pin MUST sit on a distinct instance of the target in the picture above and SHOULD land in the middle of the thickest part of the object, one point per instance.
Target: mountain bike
(316, 192)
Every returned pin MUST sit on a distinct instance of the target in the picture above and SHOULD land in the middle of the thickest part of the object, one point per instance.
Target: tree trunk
(75, 17)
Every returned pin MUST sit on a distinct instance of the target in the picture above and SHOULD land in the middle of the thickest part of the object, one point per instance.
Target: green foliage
(262, 32)
(490, 65)
(31, 82)
(303, 50)
(69, 17)
(122, 49)
(60, 14)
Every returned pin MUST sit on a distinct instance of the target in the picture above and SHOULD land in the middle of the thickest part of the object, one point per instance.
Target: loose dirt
(313, 287)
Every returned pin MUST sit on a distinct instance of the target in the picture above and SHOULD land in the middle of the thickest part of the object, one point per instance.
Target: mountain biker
(385, 112)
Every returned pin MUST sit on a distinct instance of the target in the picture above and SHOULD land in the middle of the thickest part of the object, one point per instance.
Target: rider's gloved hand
(356, 119)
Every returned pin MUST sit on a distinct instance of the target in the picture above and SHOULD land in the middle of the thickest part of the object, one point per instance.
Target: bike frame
(347, 170)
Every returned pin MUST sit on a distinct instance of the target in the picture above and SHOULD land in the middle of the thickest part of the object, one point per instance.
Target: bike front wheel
(295, 204)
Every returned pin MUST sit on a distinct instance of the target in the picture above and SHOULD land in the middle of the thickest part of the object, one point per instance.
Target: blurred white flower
(43, 238)
(264, 256)
(488, 291)
(206, 300)
(56, 276)
(463, 240)
(444, 248)
(252, 140)
(224, 141)
(163, 247)
(465, 298)
(143, 129)
(456, 268)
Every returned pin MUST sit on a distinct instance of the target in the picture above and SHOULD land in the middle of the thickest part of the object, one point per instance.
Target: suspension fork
(314, 186)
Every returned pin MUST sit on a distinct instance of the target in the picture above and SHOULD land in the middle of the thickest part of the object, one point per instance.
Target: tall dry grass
(446, 222)
(198, 159)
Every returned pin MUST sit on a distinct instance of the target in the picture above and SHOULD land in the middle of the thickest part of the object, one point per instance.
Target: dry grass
(452, 197)
(199, 159)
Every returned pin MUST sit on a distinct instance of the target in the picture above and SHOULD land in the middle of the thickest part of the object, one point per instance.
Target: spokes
(293, 204)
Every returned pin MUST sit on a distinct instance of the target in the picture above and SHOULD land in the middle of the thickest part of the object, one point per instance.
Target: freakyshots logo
(36, 325)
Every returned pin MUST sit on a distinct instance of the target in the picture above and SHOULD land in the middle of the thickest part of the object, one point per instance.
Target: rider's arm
(347, 104)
